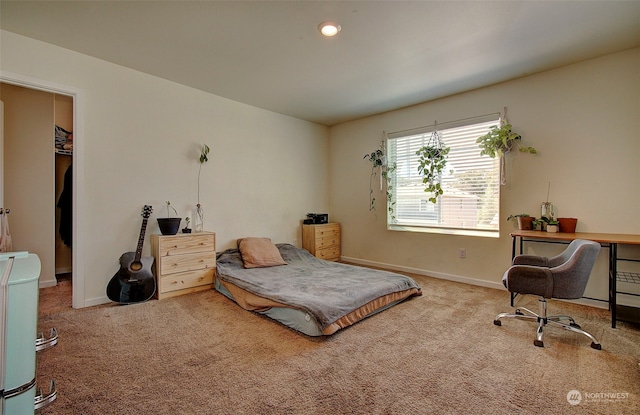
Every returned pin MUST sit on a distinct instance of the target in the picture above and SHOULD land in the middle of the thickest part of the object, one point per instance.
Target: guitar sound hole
(136, 266)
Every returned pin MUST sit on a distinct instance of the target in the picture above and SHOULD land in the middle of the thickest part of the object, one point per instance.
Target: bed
(311, 295)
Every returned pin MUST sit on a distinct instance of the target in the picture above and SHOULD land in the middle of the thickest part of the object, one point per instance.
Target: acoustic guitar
(134, 282)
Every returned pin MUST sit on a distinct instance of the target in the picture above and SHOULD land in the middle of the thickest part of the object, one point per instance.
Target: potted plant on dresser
(187, 229)
(204, 157)
(169, 225)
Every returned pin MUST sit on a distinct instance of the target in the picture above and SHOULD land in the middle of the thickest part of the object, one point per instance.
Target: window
(471, 183)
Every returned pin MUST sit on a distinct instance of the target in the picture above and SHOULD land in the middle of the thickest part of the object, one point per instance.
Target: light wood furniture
(606, 240)
(323, 241)
(184, 263)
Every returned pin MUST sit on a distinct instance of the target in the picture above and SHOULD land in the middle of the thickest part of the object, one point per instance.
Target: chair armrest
(538, 261)
(527, 279)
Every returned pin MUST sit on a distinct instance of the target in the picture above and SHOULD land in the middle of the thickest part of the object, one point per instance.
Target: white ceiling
(389, 54)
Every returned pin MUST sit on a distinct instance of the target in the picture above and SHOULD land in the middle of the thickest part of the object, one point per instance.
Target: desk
(606, 240)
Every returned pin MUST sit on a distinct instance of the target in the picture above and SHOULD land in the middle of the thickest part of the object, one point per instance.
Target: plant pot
(552, 228)
(169, 226)
(568, 225)
(525, 222)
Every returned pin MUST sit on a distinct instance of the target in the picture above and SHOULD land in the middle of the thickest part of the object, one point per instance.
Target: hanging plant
(433, 160)
(500, 139)
(379, 165)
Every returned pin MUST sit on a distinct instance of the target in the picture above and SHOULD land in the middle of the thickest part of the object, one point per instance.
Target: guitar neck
(143, 230)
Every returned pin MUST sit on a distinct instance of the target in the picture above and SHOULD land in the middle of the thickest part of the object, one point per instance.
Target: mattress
(311, 295)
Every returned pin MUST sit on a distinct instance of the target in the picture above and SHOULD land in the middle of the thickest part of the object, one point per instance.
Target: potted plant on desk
(551, 225)
(525, 222)
(568, 225)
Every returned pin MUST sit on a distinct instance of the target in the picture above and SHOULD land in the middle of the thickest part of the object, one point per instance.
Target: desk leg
(613, 272)
(513, 255)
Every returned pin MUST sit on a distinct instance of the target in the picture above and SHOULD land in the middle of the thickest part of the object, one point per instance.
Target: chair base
(543, 320)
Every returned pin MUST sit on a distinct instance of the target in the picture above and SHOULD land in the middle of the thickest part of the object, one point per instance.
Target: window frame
(470, 147)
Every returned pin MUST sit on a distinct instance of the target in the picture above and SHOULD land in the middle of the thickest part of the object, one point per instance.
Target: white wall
(583, 119)
(142, 137)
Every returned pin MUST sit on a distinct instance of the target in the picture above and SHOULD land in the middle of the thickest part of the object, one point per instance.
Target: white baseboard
(426, 273)
(47, 283)
(458, 278)
(90, 302)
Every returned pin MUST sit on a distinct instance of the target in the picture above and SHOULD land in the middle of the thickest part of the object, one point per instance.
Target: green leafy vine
(432, 162)
(378, 161)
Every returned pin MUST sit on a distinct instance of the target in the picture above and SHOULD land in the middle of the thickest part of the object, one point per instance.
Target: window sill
(446, 231)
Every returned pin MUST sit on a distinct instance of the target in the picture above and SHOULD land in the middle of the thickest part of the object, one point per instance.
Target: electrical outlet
(462, 253)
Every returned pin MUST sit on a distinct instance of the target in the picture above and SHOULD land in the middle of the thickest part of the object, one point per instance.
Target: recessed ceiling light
(329, 28)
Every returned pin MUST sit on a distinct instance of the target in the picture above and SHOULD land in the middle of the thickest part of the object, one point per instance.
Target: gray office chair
(562, 276)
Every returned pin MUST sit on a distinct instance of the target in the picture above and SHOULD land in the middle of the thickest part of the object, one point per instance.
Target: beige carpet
(435, 354)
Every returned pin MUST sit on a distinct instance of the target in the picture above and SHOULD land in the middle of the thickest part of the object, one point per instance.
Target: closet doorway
(34, 167)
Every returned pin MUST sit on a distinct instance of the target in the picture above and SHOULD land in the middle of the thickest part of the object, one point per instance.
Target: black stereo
(316, 218)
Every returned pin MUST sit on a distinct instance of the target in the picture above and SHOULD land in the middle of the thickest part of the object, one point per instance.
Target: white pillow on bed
(259, 252)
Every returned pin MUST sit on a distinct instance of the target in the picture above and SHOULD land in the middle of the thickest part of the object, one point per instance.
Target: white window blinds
(470, 182)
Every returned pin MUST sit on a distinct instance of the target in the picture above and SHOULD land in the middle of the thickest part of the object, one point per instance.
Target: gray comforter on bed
(324, 289)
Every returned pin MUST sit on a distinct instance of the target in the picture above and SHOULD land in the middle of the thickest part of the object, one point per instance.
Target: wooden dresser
(184, 263)
(323, 241)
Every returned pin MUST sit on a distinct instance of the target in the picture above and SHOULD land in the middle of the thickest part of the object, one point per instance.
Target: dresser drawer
(331, 253)
(189, 279)
(328, 241)
(329, 232)
(178, 245)
(187, 262)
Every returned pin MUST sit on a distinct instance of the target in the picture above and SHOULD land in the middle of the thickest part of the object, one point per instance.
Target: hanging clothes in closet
(66, 207)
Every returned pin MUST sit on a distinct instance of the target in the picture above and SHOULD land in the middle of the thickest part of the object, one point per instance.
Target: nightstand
(184, 263)
(322, 241)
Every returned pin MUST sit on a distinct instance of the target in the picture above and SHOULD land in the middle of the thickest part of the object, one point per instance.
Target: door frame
(78, 253)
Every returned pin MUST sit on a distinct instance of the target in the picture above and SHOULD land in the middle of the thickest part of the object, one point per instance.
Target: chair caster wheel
(497, 322)
(596, 346)
(518, 312)
(538, 343)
